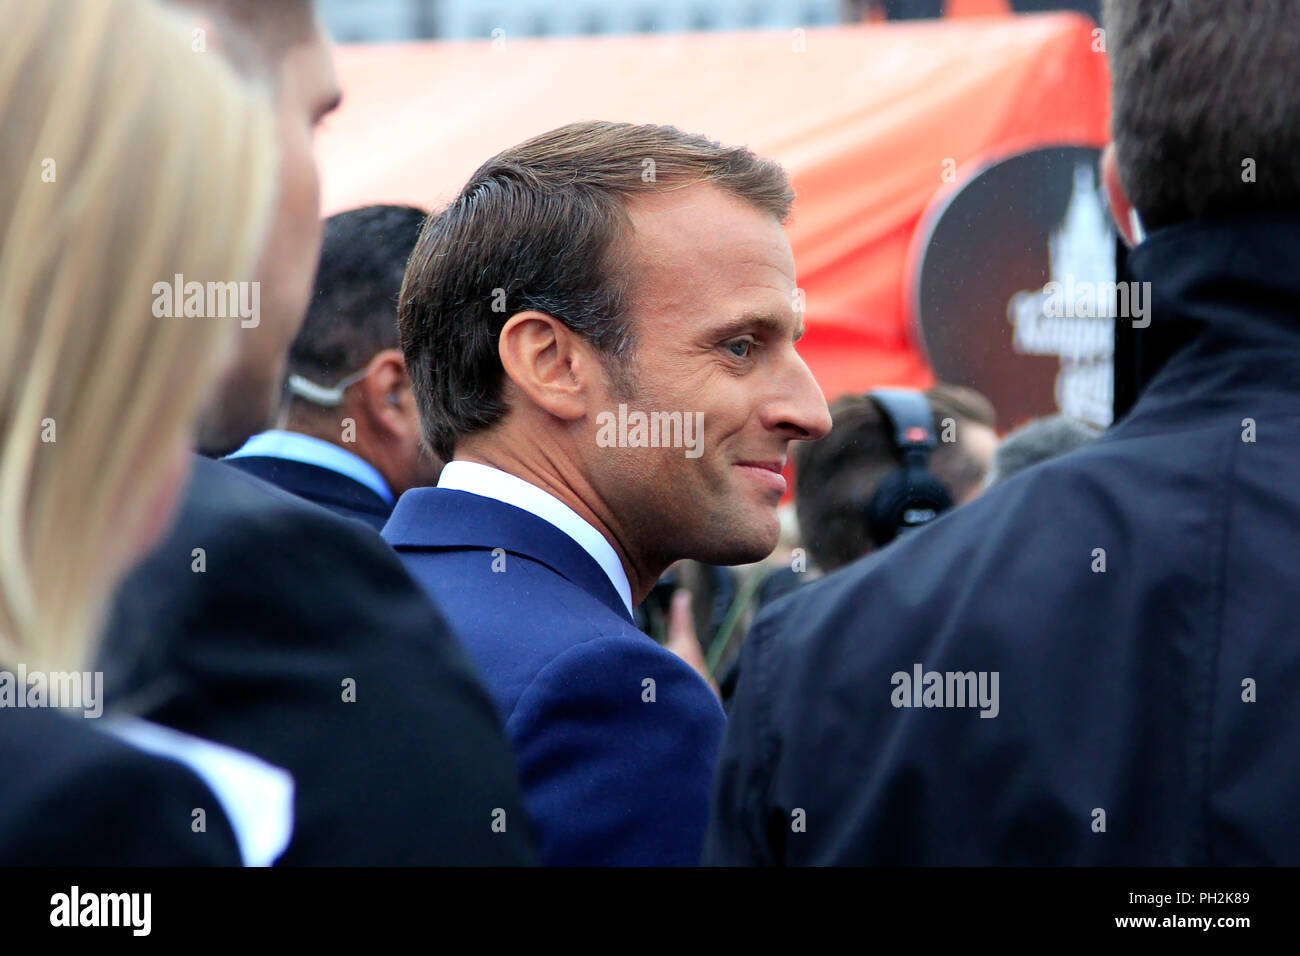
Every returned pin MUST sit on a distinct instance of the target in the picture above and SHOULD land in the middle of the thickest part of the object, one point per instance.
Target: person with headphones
(895, 460)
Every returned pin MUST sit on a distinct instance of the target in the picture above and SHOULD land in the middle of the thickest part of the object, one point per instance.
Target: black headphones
(911, 496)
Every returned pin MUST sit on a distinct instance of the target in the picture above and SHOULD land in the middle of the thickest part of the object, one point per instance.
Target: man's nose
(801, 410)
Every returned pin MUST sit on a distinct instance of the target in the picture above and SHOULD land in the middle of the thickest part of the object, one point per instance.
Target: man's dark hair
(541, 227)
(1040, 440)
(1205, 111)
(353, 314)
(836, 476)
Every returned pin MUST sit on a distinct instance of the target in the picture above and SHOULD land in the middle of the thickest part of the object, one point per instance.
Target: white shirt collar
(257, 797)
(489, 482)
(293, 446)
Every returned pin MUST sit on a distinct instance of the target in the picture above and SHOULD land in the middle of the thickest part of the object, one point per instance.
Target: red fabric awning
(864, 117)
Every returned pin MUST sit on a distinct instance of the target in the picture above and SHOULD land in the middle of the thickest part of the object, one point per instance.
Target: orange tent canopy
(866, 118)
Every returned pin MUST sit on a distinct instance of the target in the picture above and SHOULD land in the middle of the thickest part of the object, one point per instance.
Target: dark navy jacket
(615, 737)
(74, 796)
(1148, 712)
(343, 495)
(303, 642)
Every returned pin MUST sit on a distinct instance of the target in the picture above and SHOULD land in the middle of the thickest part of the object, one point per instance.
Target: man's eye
(740, 348)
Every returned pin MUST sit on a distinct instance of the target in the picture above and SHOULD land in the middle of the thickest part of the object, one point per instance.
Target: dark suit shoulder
(615, 736)
(74, 796)
(338, 493)
(221, 492)
(1040, 588)
(618, 669)
(302, 640)
(517, 622)
(616, 740)
(243, 557)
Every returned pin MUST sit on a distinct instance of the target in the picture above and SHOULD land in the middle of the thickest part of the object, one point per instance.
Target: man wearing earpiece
(350, 434)
(895, 459)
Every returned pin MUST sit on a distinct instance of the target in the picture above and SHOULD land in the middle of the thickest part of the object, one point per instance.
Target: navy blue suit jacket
(340, 494)
(615, 737)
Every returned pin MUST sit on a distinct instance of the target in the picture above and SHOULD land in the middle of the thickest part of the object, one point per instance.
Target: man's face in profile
(307, 91)
(712, 299)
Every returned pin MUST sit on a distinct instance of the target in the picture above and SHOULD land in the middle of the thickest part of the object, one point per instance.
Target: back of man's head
(353, 313)
(347, 381)
(1038, 441)
(836, 477)
(1205, 118)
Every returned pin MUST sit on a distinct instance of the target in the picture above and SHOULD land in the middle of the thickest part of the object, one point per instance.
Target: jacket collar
(438, 518)
(1224, 304)
(313, 482)
(293, 446)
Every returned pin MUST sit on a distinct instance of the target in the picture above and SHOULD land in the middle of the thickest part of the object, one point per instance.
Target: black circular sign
(1013, 285)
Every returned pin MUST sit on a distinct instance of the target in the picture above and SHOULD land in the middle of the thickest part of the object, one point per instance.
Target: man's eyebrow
(766, 322)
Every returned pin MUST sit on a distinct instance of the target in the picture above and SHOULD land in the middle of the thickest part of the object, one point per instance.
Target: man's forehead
(702, 220)
(697, 203)
(699, 236)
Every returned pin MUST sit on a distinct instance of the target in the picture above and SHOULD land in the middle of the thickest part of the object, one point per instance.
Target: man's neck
(361, 447)
(575, 494)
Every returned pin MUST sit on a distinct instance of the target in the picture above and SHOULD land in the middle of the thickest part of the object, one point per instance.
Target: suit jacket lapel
(433, 518)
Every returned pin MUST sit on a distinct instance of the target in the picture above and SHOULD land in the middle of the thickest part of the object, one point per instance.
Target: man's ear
(387, 391)
(1121, 209)
(548, 363)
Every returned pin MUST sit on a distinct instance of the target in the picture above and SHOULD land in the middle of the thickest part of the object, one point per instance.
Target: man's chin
(745, 543)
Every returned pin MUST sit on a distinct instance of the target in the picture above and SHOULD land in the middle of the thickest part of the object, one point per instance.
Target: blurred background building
(382, 20)
(379, 21)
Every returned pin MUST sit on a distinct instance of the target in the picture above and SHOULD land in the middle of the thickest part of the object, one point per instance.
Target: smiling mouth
(767, 474)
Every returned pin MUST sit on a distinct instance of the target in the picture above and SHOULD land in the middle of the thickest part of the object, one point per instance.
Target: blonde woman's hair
(128, 157)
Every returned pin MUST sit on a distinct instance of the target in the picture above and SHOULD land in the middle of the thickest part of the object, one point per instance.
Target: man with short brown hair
(600, 330)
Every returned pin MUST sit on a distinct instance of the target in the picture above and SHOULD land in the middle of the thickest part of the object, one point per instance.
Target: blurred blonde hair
(163, 163)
